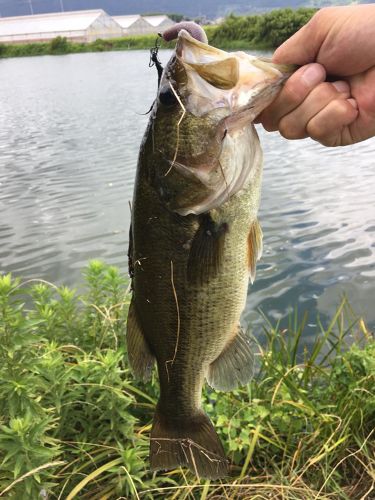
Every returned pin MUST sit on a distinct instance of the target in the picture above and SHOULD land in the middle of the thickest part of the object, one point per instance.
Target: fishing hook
(154, 60)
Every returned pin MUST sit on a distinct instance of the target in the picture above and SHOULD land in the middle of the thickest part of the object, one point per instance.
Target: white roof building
(79, 26)
(141, 25)
(159, 22)
(132, 25)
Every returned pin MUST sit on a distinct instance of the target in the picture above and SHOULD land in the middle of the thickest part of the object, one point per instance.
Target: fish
(195, 240)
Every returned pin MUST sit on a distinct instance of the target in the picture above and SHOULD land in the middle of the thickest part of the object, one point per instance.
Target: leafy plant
(267, 30)
(59, 45)
(75, 424)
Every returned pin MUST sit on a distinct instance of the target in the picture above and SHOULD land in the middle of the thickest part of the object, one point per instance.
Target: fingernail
(354, 103)
(341, 86)
(313, 74)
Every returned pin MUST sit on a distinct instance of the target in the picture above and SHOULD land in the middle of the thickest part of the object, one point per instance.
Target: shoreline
(252, 32)
(60, 46)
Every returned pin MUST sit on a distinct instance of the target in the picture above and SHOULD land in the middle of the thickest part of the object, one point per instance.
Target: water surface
(70, 129)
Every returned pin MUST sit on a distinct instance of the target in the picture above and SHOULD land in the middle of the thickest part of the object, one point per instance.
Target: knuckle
(327, 136)
(331, 141)
(291, 129)
(293, 92)
(316, 131)
(269, 125)
(314, 22)
(322, 128)
(322, 15)
(325, 91)
(340, 107)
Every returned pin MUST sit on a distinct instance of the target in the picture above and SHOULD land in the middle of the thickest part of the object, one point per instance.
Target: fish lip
(184, 37)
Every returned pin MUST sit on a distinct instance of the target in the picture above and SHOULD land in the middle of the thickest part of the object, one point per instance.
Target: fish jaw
(237, 82)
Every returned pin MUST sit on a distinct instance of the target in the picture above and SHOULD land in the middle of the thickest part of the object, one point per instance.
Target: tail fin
(192, 443)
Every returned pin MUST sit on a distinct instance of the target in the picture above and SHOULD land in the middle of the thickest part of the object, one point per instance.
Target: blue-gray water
(70, 129)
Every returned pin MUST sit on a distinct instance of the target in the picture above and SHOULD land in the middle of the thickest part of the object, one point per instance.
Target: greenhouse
(133, 25)
(141, 25)
(79, 26)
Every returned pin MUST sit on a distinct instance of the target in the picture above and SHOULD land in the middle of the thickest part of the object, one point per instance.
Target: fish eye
(166, 96)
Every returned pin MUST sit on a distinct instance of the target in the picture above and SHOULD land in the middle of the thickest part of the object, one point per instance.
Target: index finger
(302, 47)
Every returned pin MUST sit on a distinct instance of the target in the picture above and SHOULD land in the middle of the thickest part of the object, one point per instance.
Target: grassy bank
(75, 424)
(59, 46)
(265, 31)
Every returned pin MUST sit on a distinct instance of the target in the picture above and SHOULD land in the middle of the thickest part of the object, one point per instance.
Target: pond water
(70, 130)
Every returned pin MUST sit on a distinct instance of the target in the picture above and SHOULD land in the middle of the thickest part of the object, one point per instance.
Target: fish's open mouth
(215, 96)
(218, 79)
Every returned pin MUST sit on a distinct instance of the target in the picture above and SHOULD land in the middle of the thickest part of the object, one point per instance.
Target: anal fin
(234, 366)
(254, 248)
(140, 357)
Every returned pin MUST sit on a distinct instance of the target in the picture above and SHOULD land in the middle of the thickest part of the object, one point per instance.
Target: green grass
(264, 31)
(60, 46)
(75, 424)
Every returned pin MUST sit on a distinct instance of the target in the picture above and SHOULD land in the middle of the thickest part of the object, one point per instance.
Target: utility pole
(62, 5)
(31, 7)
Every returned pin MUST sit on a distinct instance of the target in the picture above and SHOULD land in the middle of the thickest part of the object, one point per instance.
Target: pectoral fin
(254, 248)
(207, 250)
(140, 357)
(234, 366)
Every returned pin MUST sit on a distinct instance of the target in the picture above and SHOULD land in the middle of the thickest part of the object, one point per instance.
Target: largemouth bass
(195, 240)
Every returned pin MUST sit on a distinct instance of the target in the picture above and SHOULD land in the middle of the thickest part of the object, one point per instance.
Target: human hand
(337, 41)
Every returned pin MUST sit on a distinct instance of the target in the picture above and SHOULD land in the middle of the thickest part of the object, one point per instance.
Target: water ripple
(70, 130)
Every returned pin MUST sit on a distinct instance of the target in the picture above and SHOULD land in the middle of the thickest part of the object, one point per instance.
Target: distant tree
(178, 17)
(244, 28)
(265, 30)
(59, 45)
(278, 25)
(175, 17)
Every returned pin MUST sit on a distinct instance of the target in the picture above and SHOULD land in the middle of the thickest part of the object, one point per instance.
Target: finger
(330, 39)
(330, 126)
(294, 124)
(295, 50)
(296, 89)
(303, 47)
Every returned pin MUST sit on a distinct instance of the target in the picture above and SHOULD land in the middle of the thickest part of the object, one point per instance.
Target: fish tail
(192, 442)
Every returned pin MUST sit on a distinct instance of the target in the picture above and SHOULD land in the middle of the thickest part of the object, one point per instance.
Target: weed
(75, 424)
